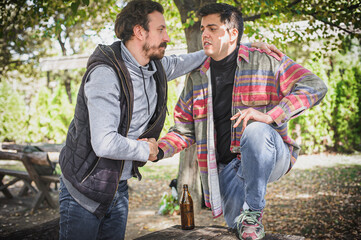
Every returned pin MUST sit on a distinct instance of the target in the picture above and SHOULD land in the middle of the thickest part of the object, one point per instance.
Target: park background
(45, 44)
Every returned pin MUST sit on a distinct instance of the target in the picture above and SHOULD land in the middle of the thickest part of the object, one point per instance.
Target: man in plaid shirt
(235, 107)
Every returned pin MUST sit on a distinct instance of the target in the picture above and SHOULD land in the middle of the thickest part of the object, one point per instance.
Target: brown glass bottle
(186, 209)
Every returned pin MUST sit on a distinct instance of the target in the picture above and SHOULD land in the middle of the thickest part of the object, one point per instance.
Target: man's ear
(139, 32)
(234, 34)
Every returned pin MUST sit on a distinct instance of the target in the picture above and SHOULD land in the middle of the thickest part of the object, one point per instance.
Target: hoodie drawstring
(145, 90)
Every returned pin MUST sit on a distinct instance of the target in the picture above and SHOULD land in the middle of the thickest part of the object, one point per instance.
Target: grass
(154, 172)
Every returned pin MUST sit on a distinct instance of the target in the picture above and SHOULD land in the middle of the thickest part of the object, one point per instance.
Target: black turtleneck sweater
(222, 77)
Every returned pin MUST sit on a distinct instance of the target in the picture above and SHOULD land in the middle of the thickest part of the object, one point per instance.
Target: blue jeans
(78, 223)
(264, 158)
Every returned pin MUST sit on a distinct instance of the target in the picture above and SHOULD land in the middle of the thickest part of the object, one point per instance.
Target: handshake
(153, 148)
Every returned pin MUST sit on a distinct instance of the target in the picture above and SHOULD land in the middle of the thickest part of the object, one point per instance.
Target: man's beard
(157, 53)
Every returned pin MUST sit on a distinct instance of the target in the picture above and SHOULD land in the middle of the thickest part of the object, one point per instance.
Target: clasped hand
(153, 148)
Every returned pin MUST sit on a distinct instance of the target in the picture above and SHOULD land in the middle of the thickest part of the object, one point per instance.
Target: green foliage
(346, 120)
(29, 28)
(323, 19)
(168, 204)
(172, 101)
(335, 123)
(160, 173)
(50, 116)
(13, 116)
(173, 20)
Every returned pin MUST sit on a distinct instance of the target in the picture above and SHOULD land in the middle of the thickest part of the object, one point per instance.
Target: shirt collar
(243, 53)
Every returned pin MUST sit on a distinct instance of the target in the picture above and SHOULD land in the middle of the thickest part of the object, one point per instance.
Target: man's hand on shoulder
(268, 48)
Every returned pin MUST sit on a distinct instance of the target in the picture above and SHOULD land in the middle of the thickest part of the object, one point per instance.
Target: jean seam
(67, 219)
(273, 155)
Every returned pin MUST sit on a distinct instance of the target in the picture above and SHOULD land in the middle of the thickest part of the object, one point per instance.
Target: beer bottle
(186, 209)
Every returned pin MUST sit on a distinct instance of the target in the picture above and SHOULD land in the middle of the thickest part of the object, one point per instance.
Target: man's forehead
(156, 19)
(211, 20)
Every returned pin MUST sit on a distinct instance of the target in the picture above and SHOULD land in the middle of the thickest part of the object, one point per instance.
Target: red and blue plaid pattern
(266, 82)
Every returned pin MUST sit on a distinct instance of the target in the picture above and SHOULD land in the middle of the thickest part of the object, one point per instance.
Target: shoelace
(251, 217)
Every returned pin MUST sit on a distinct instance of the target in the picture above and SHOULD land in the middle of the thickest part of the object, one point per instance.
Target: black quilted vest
(97, 178)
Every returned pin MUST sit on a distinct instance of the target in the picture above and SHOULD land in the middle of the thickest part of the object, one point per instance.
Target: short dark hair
(134, 13)
(230, 15)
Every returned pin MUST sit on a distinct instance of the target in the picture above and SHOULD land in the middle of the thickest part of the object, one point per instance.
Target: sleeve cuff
(143, 151)
(160, 155)
(278, 115)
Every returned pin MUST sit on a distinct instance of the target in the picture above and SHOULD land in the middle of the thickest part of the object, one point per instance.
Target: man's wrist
(160, 155)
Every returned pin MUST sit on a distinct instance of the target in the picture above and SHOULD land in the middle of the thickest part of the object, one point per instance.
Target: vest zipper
(86, 177)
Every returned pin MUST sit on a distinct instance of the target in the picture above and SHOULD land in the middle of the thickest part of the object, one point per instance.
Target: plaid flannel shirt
(268, 83)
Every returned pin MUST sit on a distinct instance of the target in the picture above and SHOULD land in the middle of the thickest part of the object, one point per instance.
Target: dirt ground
(143, 217)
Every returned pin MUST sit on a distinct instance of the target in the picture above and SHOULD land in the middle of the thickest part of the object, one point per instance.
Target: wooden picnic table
(39, 169)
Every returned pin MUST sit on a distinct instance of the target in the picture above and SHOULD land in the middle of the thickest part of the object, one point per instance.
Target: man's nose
(205, 33)
(166, 37)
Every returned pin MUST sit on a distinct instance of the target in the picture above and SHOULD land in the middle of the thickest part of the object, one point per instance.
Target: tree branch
(255, 17)
(333, 25)
(314, 15)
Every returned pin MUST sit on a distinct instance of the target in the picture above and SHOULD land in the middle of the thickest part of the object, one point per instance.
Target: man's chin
(208, 52)
(158, 56)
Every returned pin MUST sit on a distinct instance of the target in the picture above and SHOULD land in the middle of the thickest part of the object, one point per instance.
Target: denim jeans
(264, 158)
(78, 223)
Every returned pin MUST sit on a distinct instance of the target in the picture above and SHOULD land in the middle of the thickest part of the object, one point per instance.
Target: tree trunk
(66, 76)
(193, 33)
(67, 84)
(188, 174)
(188, 167)
(47, 230)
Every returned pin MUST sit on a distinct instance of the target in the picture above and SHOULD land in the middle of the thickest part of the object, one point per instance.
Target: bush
(172, 101)
(168, 205)
(50, 116)
(335, 123)
(13, 116)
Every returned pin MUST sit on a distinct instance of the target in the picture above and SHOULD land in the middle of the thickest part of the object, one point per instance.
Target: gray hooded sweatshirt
(102, 93)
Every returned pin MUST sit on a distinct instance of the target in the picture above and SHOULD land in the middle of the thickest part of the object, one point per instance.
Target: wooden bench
(31, 162)
(18, 176)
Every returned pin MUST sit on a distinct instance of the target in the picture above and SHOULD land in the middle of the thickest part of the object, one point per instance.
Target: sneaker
(249, 225)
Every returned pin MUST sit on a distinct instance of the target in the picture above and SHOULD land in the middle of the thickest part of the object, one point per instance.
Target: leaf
(85, 2)
(74, 7)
